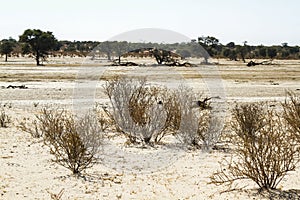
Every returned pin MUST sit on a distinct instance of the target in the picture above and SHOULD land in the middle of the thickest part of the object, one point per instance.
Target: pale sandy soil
(164, 172)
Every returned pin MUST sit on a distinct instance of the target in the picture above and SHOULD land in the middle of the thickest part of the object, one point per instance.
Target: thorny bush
(264, 151)
(74, 142)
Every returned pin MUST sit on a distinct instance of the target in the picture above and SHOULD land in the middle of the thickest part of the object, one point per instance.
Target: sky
(267, 22)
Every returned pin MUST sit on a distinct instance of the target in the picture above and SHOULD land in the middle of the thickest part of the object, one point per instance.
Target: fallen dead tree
(124, 64)
(17, 87)
(265, 62)
(185, 64)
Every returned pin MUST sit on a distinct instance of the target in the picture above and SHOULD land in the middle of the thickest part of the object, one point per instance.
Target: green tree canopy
(262, 51)
(6, 47)
(272, 52)
(210, 44)
(40, 42)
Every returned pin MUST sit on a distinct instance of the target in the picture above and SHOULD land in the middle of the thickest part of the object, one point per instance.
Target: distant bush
(264, 151)
(74, 143)
(4, 119)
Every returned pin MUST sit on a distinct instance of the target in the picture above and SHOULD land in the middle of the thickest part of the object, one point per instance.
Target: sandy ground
(165, 172)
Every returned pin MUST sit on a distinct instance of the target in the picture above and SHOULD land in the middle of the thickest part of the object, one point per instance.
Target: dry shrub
(146, 113)
(264, 152)
(4, 119)
(172, 114)
(74, 143)
(137, 109)
(197, 125)
(209, 130)
(191, 117)
(248, 120)
(291, 114)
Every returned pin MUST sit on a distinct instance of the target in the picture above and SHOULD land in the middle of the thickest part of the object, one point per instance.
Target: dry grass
(4, 119)
(30, 126)
(58, 196)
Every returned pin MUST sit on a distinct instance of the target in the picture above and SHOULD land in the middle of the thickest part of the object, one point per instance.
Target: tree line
(40, 44)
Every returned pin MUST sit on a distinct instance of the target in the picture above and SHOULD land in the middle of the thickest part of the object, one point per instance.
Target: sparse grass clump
(31, 127)
(264, 151)
(4, 119)
(104, 119)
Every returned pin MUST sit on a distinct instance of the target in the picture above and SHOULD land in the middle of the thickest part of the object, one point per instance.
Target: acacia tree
(120, 48)
(106, 47)
(6, 47)
(40, 43)
(210, 44)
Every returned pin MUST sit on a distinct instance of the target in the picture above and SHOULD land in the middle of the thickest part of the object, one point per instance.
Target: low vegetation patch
(4, 119)
(146, 114)
(264, 151)
(291, 114)
(73, 141)
(137, 109)
(30, 126)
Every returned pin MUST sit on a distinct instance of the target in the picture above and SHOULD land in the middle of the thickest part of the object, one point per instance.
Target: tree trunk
(6, 55)
(206, 60)
(108, 56)
(243, 57)
(119, 59)
(159, 59)
(37, 58)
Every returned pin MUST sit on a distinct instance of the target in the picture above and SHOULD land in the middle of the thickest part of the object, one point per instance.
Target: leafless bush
(190, 116)
(147, 113)
(264, 152)
(74, 143)
(197, 125)
(291, 114)
(248, 120)
(209, 130)
(137, 109)
(172, 114)
(4, 119)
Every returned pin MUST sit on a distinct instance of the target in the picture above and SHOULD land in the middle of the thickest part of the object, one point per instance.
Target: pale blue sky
(256, 21)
